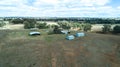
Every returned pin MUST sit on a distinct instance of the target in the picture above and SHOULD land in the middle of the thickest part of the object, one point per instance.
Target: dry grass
(17, 49)
(14, 26)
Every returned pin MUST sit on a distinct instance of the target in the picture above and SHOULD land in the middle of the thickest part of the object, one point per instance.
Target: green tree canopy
(106, 28)
(76, 25)
(87, 27)
(17, 21)
(116, 29)
(30, 23)
(65, 25)
(41, 25)
(57, 30)
(2, 23)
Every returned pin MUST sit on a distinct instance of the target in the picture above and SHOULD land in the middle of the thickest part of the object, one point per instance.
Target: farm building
(65, 31)
(34, 33)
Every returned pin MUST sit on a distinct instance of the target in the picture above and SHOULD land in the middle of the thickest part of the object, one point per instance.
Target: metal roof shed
(34, 33)
(64, 32)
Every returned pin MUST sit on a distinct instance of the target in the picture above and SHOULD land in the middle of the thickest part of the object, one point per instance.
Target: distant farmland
(95, 27)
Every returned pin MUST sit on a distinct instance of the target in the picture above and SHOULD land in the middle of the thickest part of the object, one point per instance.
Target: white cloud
(95, 2)
(45, 2)
(58, 8)
(12, 2)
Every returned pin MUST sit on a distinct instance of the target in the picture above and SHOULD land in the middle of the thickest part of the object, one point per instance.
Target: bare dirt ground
(17, 49)
(14, 26)
(95, 27)
(98, 27)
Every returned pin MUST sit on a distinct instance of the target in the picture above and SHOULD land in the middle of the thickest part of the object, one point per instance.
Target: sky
(60, 8)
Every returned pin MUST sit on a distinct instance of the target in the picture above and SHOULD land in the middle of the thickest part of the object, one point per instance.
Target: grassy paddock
(18, 49)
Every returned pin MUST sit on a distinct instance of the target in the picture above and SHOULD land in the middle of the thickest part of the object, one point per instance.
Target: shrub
(116, 29)
(106, 28)
(76, 25)
(41, 25)
(87, 27)
(2, 24)
(65, 25)
(26, 25)
(17, 21)
(57, 30)
(29, 24)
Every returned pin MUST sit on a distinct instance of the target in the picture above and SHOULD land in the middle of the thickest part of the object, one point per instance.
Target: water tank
(70, 37)
(80, 34)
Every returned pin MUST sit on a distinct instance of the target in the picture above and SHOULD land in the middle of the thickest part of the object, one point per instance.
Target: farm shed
(70, 37)
(34, 29)
(34, 33)
(65, 32)
(80, 34)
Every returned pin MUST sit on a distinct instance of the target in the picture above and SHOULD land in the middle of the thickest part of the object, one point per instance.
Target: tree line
(72, 19)
(84, 26)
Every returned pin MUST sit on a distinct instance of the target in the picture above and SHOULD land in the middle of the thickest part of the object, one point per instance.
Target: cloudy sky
(60, 8)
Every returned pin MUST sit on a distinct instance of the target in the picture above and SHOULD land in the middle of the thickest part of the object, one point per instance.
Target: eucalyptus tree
(106, 28)
(65, 25)
(116, 29)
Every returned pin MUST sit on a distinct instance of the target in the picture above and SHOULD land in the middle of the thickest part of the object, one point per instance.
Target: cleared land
(17, 49)
(95, 27)
(13, 26)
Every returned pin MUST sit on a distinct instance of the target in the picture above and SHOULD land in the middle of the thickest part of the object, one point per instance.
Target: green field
(18, 49)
